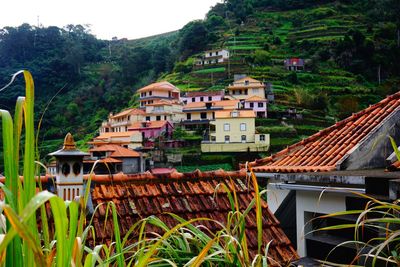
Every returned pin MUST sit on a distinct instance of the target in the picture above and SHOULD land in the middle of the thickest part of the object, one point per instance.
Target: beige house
(121, 121)
(234, 131)
(200, 113)
(129, 139)
(245, 88)
(167, 110)
(157, 91)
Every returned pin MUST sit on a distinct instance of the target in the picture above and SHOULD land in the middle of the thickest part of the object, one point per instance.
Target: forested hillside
(352, 52)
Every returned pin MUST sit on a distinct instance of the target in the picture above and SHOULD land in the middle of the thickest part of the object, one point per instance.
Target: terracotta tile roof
(162, 170)
(131, 111)
(105, 160)
(228, 114)
(194, 105)
(189, 195)
(162, 102)
(241, 83)
(149, 124)
(164, 85)
(226, 103)
(116, 134)
(325, 149)
(117, 151)
(206, 93)
(255, 98)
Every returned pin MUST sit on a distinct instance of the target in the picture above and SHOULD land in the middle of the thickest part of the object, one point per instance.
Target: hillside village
(266, 134)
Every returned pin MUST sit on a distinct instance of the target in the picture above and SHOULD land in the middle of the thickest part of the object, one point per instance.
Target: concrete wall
(375, 148)
(205, 98)
(131, 165)
(234, 132)
(308, 203)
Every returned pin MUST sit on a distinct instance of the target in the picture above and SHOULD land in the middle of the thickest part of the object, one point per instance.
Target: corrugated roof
(164, 85)
(323, 150)
(189, 195)
(240, 114)
(117, 151)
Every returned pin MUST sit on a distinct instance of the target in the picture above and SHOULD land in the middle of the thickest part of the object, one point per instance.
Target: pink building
(191, 97)
(153, 129)
(258, 104)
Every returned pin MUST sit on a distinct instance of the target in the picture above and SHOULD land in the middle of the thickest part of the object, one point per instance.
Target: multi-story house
(129, 139)
(213, 57)
(234, 131)
(257, 104)
(167, 110)
(197, 114)
(245, 88)
(294, 64)
(157, 91)
(121, 121)
(210, 96)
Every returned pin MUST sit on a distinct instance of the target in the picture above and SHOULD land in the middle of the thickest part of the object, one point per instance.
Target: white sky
(122, 18)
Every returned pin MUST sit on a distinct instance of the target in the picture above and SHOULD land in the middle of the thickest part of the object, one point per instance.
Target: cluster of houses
(227, 119)
(314, 177)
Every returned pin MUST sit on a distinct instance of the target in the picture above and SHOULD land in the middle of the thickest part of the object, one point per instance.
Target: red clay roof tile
(325, 149)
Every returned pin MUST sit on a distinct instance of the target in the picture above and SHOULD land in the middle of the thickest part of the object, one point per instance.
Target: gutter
(300, 187)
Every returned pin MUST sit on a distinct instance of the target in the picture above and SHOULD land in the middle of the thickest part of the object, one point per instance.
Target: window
(261, 105)
(262, 137)
(141, 104)
(255, 90)
(216, 53)
(158, 118)
(243, 126)
(201, 99)
(246, 82)
(151, 93)
(252, 105)
(227, 127)
(169, 94)
(227, 138)
(245, 92)
(193, 99)
(210, 54)
(235, 114)
(189, 116)
(66, 169)
(203, 115)
(243, 138)
(209, 98)
(165, 117)
(148, 118)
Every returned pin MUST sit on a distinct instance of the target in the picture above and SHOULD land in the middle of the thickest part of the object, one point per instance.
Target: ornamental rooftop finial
(69, 143)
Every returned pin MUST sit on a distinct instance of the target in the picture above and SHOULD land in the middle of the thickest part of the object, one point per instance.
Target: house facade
(191, 97)
(213, 57)
(153, 129)
(234, 131)
(322, 173)
(294, 64)
(245, 88)
(258, 105)
(157, 91)
(121, 121)
(167, 110)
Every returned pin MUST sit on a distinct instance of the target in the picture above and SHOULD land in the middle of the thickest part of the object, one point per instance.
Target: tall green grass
(63, 237)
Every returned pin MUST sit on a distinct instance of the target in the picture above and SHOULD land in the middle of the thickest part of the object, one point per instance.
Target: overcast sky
(121, 18)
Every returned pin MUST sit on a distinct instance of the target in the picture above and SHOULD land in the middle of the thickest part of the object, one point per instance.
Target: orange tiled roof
(117, 151)
(228, 114)
(323, 150)
(162, 102)
(164, 85)
(255, 98)
(195, 105)
(241, 83)
(225, 103)
(188, 195)
(149, 124)
(131, 111)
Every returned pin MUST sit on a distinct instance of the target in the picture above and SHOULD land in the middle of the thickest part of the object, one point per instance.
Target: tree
(240, 8)
(193, 38)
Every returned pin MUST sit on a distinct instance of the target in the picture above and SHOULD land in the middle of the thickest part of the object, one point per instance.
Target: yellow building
(245, 88)
(234, 131)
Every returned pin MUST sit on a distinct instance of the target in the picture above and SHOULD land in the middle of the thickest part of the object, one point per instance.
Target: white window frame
(243, 127)
(227, 127)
